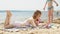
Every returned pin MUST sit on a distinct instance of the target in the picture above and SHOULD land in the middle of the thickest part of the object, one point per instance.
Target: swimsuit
(18, 23)
(49, 0)
(49, 8)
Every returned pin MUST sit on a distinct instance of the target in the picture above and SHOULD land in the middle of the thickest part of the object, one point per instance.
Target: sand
(1, 32)
(36, 31)
(40, 31)
(57, 21)
(53, 30)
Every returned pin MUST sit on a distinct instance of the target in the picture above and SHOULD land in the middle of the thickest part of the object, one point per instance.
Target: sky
(25, 5)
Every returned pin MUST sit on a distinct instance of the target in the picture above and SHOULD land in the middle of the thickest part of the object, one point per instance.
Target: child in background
(50, 10)
(34, 20)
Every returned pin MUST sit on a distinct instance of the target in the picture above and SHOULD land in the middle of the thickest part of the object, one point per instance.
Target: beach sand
(57, 21)
(1, 32)
(34, 31)
(1, 26)
(39, 31)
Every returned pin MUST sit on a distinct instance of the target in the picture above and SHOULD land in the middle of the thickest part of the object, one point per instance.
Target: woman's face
(38, 16)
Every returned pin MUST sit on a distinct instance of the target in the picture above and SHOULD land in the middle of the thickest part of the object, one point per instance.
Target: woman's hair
(37, 12)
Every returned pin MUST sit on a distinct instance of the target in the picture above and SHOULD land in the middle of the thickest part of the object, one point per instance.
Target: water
(22, 15)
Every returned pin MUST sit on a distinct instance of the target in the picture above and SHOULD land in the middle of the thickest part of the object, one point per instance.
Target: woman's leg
(50, 17)
(7, 21)
(52, 14)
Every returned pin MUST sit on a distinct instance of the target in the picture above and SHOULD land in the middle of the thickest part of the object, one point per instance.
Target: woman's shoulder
(31, 18)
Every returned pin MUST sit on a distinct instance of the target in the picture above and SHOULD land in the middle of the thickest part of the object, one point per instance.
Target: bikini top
(49, 0)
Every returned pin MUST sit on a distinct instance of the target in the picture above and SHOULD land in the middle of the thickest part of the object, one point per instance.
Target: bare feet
(9, 13)
(7, 21)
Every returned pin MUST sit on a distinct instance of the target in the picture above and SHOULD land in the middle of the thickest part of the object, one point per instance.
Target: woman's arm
(55, 2)
(32, 23)
(45, 5)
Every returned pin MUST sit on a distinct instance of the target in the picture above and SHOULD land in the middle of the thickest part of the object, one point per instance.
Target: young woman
(34, 20)
(50, 10)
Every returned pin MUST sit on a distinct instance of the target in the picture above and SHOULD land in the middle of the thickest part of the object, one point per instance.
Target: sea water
(23, 15)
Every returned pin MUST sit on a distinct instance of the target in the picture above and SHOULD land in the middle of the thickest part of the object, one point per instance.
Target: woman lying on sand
(34, 20)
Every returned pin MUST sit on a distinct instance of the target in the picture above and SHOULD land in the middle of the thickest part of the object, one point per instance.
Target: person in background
(50, 10)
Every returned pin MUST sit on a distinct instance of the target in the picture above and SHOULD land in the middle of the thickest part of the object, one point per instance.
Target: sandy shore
(57, 21)
(54, 30)
(37, 31)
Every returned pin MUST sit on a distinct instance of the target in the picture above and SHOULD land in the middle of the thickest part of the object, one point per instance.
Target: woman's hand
(56, 4)
(44, 8)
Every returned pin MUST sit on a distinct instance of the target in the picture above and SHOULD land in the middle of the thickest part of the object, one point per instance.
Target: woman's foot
(7, 21)
(9, 13)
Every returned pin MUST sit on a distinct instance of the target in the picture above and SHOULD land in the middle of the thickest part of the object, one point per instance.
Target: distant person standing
(50, 10)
